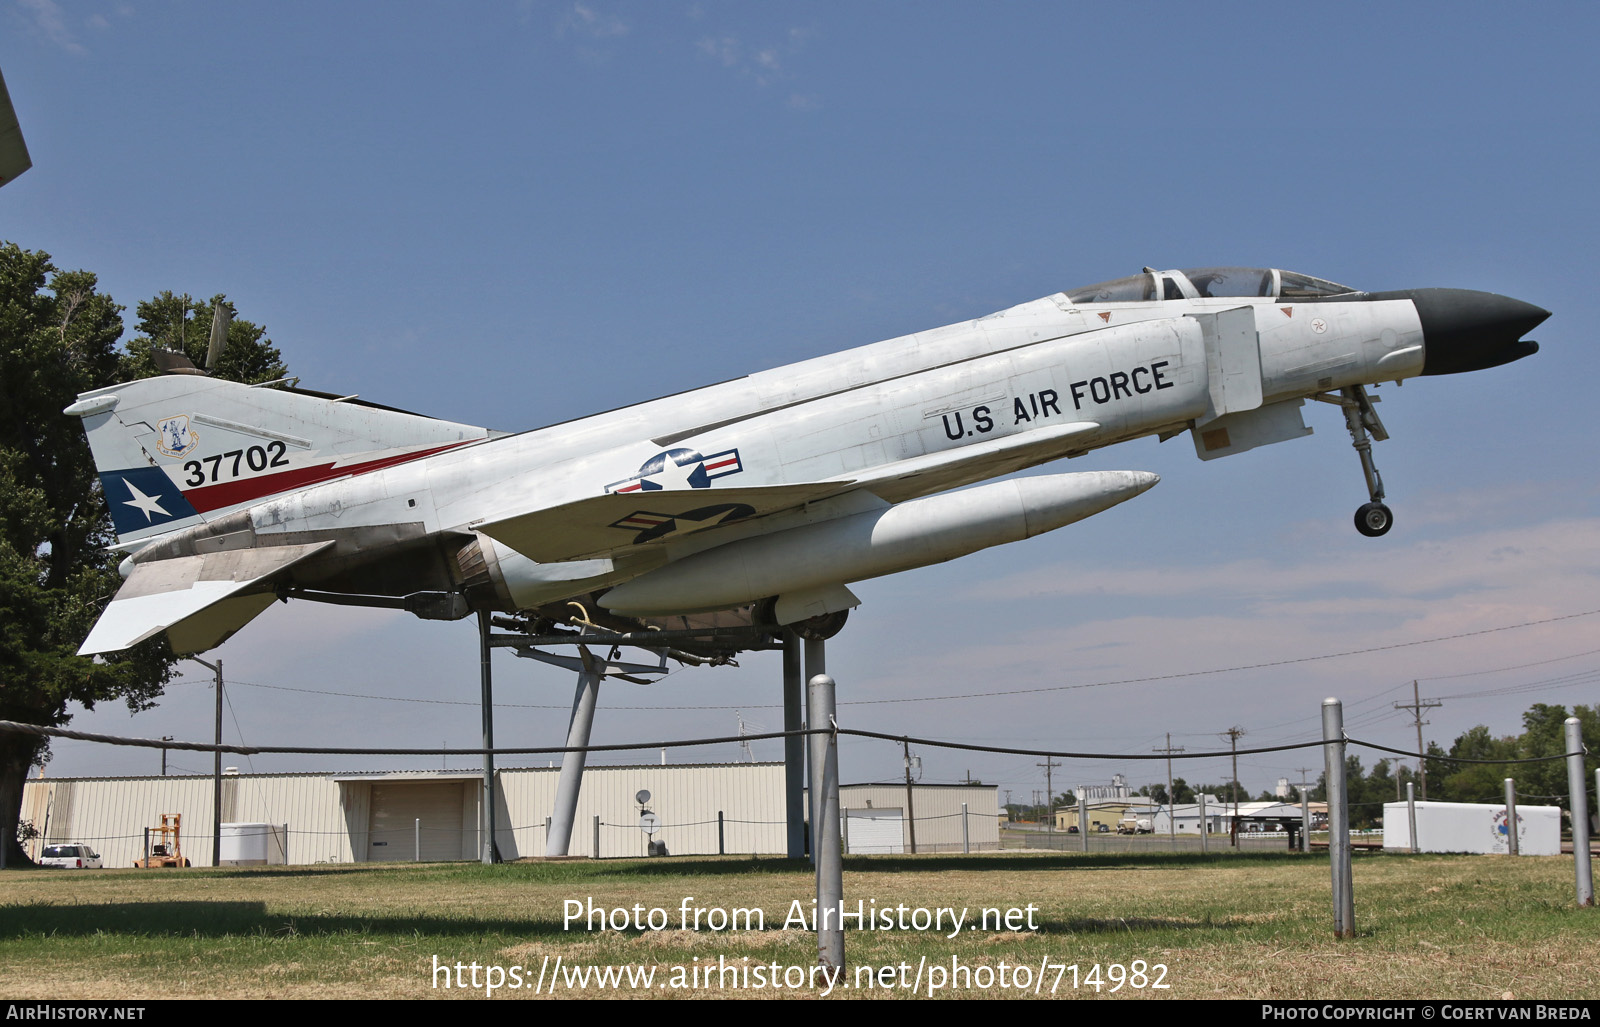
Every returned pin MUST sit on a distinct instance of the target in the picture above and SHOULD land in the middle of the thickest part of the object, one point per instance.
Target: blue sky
(517, 213)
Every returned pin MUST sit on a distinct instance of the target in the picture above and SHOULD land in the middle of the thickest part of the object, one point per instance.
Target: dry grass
(1235, 926)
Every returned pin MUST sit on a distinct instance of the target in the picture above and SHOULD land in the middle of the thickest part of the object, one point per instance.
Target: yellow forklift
(168, 852)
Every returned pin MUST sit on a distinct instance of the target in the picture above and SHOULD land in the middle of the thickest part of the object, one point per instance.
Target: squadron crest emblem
(174, 437)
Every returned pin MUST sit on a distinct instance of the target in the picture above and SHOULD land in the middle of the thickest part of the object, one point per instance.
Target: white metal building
(875, 817)
(344, 818)
(434, 815)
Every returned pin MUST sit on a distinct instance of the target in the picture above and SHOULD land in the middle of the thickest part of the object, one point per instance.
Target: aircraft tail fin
(179, 449)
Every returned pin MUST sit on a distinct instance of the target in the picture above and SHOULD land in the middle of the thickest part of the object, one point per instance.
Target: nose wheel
(1372, 518)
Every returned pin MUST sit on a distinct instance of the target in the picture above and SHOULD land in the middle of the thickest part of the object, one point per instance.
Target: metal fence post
(1344, 908)
(1411, 814)
(1305, 817)
(1205, 826)
(828, 857)
(416, 841)
(1511, 818)
(722, 848)
(1083, 822)
(1580, 812)
(597, 836)
(966, 837)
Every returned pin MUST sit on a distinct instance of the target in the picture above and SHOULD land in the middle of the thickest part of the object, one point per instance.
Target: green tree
(183, 325)
(1156, 791)
(1545, 735)
(58, 337)
(1474, 782)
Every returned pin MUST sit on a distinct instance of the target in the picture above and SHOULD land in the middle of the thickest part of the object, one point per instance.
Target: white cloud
(764, 64)
(725, 49)
(49, 19)
(1542, 555)
(590, 21)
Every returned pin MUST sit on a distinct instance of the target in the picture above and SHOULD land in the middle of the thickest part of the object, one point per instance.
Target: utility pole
(1049, 765)
(911, 812)
(1172, 800)
(1233, 734)
(1416, 706)
(1305, 809)
(164, 738)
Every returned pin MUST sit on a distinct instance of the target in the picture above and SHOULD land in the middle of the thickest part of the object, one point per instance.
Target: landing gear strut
(1372, 518)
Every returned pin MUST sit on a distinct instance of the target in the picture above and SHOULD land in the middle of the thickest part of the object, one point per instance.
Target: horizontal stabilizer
(198, 600)
(14, 159)
(618, 522)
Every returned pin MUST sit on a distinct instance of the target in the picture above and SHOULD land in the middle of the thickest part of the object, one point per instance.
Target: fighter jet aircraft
(757, 500)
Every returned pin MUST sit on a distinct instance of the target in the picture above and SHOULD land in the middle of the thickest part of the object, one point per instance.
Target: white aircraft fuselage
(769, 493)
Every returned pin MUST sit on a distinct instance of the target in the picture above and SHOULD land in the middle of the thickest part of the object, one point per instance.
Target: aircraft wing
(198, 600)
(600, 525)
(14, 159)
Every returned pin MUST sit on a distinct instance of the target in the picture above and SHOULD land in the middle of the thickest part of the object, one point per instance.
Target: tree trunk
(16, 757)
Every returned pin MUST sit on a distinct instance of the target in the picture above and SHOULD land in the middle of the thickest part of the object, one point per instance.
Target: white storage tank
(246, 845)
(1473, 827)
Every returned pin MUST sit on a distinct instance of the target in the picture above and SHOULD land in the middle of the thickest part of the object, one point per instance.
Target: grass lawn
(1235, 925)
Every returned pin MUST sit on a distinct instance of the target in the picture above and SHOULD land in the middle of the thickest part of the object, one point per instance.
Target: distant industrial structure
(1144, 815)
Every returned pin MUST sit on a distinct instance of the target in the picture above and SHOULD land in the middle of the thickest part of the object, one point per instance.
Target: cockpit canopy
(1208, 282)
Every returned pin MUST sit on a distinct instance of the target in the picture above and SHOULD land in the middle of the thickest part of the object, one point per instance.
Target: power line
(1519, 666)
(975, 695)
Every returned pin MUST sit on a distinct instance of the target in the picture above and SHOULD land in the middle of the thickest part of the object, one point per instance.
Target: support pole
(597, 836)
(416, 840)
(1511, 818)
(1205, 828)
(559, 837)
(1411, 814)
(722, 839)
(1580, 812)
(966, 835)
(1083, 822)
(794, 747)
(816, 660)
(486, 826)
(216, 767)
(216, 778)
(1344, 908)
(826, 850)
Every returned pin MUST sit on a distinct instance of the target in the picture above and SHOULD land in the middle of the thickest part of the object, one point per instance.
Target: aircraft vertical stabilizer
(180, 449)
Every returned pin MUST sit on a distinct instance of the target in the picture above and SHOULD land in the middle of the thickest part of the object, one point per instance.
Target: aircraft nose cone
(1464, 330)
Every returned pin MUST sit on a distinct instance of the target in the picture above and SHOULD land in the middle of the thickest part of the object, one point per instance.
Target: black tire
(1374, 519)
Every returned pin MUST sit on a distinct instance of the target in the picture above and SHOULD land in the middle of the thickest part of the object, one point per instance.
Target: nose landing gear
(1372, 518)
